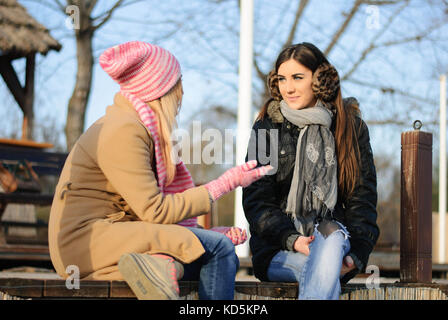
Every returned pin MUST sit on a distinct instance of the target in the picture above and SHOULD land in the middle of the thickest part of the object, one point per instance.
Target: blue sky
(206, 44)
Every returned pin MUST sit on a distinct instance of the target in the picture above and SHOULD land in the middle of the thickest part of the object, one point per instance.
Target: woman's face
(294, 82)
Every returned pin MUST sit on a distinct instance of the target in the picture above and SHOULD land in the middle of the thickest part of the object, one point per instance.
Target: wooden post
(28, 111)
(416, 213)
(24, 95)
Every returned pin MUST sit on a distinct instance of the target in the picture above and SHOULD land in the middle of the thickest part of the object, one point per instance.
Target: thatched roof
(21, 34)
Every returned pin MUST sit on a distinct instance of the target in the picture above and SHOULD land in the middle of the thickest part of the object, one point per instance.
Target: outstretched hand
(242, 175)
(235, 234)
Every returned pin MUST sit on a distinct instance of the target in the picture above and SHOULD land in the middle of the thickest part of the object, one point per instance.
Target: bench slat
(26, 198)
(52, 289)
(43, 162)
(88, 289)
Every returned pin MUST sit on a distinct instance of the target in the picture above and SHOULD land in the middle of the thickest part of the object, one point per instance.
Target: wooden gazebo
(21, 36)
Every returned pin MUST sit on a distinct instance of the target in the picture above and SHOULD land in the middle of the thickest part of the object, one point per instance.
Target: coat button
(288, 126)
(282, 152)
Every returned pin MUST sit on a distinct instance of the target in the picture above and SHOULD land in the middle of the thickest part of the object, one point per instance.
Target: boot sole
(144, 279)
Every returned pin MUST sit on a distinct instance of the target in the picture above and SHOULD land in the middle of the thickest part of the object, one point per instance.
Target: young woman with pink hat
(125, 209)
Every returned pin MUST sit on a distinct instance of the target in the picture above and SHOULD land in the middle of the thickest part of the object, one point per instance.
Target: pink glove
(235, 234)
(242, 175)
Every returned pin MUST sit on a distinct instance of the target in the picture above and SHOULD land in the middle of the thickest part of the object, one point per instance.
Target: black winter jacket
(264, 201)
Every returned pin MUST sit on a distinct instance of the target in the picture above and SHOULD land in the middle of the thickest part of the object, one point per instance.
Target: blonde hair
(166, 109)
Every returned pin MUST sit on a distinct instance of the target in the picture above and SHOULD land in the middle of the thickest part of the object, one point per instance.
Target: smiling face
(294, 83)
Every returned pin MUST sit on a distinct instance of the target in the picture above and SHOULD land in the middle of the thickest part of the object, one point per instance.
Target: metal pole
(244, 109)
(442, 170)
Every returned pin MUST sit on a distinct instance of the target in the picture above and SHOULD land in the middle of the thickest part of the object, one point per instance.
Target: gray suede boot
(151, 277)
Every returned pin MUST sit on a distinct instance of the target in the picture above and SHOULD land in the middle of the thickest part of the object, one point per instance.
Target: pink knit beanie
(142, 69)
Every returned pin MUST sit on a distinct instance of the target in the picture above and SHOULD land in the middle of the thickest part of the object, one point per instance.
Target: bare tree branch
(108, 14)
(293, 30)
(343, 27)
(379, 3)
(60, 5)
(90, 4)
(260, 73)
(350, 16)
(423, 35)
(104, 14)
(273, 31)
(55, 5)
(392, 90)
(216, 50)
(372, 46)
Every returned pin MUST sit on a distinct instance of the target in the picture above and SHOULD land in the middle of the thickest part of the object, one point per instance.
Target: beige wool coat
(107, 201)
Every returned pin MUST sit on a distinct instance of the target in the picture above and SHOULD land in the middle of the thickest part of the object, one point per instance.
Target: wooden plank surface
(43, 162)
(30, 288)
(26, 197)
(87, 289)
(26, 143)
(57, 289)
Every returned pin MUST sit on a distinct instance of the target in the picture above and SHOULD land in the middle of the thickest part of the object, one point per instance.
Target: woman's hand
(347, 265)
(302, 244)
(235, 234)
(242, 175)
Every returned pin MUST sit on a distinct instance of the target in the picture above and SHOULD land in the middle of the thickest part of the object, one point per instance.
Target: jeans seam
(302, 277)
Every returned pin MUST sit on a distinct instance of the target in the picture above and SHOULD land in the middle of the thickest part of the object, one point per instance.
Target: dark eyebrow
(295, 74)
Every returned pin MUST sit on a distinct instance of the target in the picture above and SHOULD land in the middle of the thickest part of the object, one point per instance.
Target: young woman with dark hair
(314, 220)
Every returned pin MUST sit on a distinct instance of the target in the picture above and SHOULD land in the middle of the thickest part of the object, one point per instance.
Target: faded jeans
(216, 268)
(318, 274)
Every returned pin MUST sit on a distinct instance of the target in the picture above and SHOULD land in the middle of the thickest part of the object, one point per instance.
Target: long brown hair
(345, 134)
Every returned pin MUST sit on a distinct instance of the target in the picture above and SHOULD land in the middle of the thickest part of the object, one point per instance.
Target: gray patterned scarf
(313, 190)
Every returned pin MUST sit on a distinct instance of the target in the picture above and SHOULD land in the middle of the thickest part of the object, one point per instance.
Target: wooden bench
(48, 166)
(244, 290)
(415, 260)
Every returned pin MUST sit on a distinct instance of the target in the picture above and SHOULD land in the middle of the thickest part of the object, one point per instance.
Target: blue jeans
(216, 268)
(317, 274)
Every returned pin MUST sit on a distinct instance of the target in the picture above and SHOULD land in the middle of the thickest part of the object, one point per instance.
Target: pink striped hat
(142, 69)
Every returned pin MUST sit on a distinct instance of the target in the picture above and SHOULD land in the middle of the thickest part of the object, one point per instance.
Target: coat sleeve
(360, 208)
(124, 155)
(261, 205)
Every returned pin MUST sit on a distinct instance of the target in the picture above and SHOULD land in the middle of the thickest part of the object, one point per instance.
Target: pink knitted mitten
(242, 175)
(235, 234)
